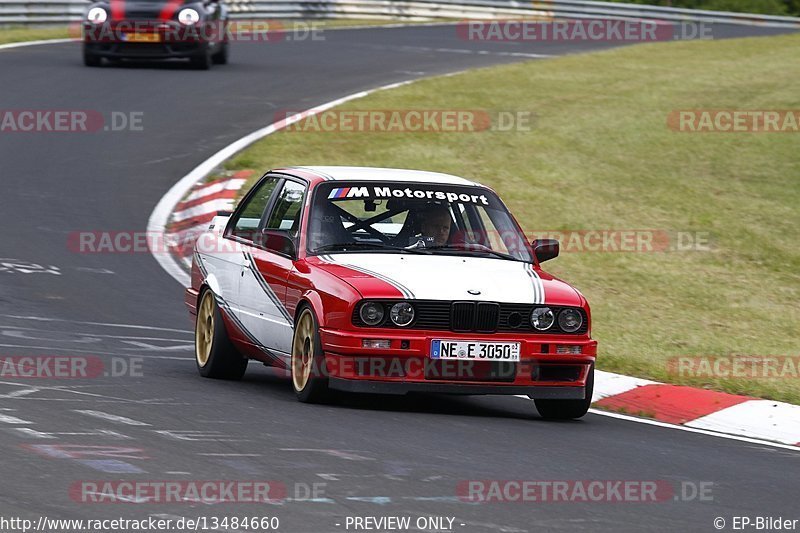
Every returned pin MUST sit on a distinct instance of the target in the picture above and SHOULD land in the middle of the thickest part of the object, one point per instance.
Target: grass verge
(21, 34)
(600, 156)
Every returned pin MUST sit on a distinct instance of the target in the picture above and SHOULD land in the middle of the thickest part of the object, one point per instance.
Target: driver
(435, 222)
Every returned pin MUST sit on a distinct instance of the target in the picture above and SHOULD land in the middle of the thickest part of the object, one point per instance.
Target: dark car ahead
(156, 29)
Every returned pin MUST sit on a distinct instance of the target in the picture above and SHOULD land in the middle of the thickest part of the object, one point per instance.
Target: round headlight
(542, 318)
(188, 16)
(402, 313)
(371, 313)
(570, 320)
(97, 15)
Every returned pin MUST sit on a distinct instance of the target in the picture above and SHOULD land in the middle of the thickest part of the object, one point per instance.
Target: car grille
(472, 317)
(480, 317)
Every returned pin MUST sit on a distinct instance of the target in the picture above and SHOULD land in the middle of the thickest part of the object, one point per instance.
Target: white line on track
(693, 430)
(103, 324)
(95, 352)
(8, 419)
(35, 43)
(160, 217)
(111, 418)
(86, 334)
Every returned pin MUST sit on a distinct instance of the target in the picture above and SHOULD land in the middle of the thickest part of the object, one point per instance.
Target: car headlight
(542, 318)
(188, 16)
(570, 320)
(97, 15)
(371, 313)
(402, 314)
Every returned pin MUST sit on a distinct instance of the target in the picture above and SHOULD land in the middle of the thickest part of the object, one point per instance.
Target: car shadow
(271, 382)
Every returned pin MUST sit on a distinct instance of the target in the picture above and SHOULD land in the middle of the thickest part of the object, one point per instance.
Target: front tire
(221, 57)
(567, 409)
(215, 355)
(309, 376)
(202, 61)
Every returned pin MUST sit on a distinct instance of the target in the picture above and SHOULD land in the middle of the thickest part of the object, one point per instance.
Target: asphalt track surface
(376, 456)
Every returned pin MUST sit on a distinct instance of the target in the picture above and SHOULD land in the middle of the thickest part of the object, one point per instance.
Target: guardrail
(49, 12)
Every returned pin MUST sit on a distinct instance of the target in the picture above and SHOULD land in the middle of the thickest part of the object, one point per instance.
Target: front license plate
(142, 37)
(475, 350)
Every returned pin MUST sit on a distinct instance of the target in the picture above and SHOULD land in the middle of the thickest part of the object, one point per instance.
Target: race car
(156, 29)
(388, 281)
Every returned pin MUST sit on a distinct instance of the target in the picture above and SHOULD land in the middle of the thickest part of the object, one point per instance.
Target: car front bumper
(406, 366)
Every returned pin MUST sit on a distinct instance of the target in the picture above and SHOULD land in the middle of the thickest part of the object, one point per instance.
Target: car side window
(247, 221)
(285, 215)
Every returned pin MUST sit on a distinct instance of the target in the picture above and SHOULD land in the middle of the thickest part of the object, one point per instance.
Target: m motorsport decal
(405, 291)
(382, 192)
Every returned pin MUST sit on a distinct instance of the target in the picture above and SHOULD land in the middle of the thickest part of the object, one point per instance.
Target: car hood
(448, 277)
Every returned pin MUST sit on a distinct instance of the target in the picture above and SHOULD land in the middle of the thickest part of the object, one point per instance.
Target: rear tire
(215, 355)
(309, 375)
(567, 409)
(91, 60)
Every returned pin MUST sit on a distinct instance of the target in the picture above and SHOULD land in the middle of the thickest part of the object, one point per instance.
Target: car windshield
(413, 218)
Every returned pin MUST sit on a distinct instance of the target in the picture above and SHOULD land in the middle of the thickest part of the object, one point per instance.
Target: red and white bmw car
(388, 281)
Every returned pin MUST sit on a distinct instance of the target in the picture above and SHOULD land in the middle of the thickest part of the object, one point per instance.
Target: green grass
(601, 156)
(20, 34)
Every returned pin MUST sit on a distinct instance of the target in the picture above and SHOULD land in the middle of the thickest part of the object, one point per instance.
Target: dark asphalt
(376, 456)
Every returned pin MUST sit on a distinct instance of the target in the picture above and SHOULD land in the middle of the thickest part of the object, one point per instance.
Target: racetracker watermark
(570, 241)
(627, 240)
(150, 32)
(583, 491)
(178, 492)
(587, 30)
(734, 120)
(736, 366)
(69, 121)
(69, 367)
(407, 121)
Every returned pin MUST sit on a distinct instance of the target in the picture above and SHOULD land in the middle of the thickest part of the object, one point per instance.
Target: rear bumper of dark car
(146, 50)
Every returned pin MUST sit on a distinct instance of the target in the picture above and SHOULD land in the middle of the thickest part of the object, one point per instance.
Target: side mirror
(278, 242)
(545, 249)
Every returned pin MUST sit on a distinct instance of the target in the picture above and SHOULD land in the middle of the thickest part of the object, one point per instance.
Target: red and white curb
(699, 409)
(193, 214)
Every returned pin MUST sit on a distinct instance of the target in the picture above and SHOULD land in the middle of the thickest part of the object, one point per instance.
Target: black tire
(216, 357)
(310, 386)
(202, 61)
(567, 409)
(91, 60)
(221, 57)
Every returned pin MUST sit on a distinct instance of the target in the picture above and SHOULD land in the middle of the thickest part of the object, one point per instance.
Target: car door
(264, 280)
(241, 232)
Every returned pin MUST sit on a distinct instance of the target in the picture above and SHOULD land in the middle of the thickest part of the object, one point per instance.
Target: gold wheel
(303, 350)
(204, 329)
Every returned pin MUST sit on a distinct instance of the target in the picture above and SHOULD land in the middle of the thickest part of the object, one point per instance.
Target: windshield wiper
(479, 248)
(344, 246)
